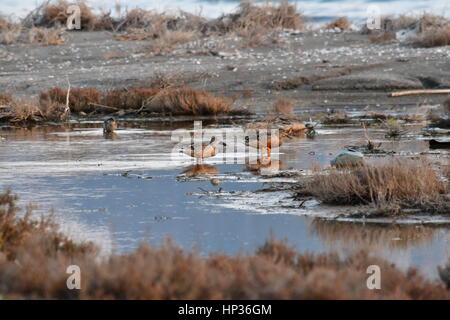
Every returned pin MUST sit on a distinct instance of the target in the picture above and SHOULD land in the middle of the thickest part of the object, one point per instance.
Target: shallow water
(121, 191)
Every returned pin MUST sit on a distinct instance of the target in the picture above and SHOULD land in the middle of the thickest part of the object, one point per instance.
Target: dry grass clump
(187, 101)
(390, 187)
(90, 100)
(51, 14)
(26, 112)
(167, 41)
(34, 257)
(335, 117)
(172, 100)
(383, 37)
(342, 23)
(45, 36)
(393, 128)
(284, 106)
(434, 37)
(266, 16)
(9, 32)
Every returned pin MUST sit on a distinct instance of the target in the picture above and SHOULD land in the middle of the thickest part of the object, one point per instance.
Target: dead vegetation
(434, 31)
(284, 106)
(342, 23)
(389, 187)
(56, 105)
(11, 33)
(23, 112)
(255, 25)
(274, 271)
(430, 30)
(187, 101)
(335, 117)
(165, 99)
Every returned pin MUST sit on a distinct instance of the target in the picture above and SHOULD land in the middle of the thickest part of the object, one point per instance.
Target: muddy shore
(97, 59)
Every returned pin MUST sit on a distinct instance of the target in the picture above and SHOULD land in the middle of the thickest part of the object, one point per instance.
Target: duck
(109, 125)
(207, 150)
(264, 142)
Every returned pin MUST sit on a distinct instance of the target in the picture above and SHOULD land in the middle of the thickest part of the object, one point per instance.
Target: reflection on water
(403, 244)
(128, 188)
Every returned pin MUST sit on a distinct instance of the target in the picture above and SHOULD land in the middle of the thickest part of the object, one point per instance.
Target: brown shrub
(187, 101)
(397, 184)
(342, 23)
(54, 14)
(79, 99)
(275, 271)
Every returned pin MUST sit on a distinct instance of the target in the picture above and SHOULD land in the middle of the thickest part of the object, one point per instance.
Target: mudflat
(344, 69)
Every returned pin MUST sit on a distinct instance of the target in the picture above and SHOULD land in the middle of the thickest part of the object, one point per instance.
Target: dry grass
(266, 16)
(165, 99)
(284, 106)
(383, 37)
(34, 256)
(53, 14)
(434, 37)
(335, 117)
(168, 41)
(187, 101)
(45, 36)
(22, 112)
(390, 187)
(342, 23)
(393, 128)
(9, 32)
(90, 100)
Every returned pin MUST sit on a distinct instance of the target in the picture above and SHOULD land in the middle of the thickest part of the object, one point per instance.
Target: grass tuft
(391, 186)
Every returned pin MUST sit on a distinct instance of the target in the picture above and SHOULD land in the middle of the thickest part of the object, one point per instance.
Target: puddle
(120, 191)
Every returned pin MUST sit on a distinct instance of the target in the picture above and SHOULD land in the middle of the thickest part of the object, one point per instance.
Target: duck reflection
(264, 165)
(202, 171)
(335, 233)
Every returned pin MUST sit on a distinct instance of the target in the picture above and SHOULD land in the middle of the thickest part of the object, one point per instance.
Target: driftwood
(415, 92)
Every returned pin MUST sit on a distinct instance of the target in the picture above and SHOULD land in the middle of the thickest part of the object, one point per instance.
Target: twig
(416, 92)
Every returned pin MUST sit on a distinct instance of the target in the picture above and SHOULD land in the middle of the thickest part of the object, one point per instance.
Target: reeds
(165, 99)
(390, 187)
(34, 257)
(187, 101)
